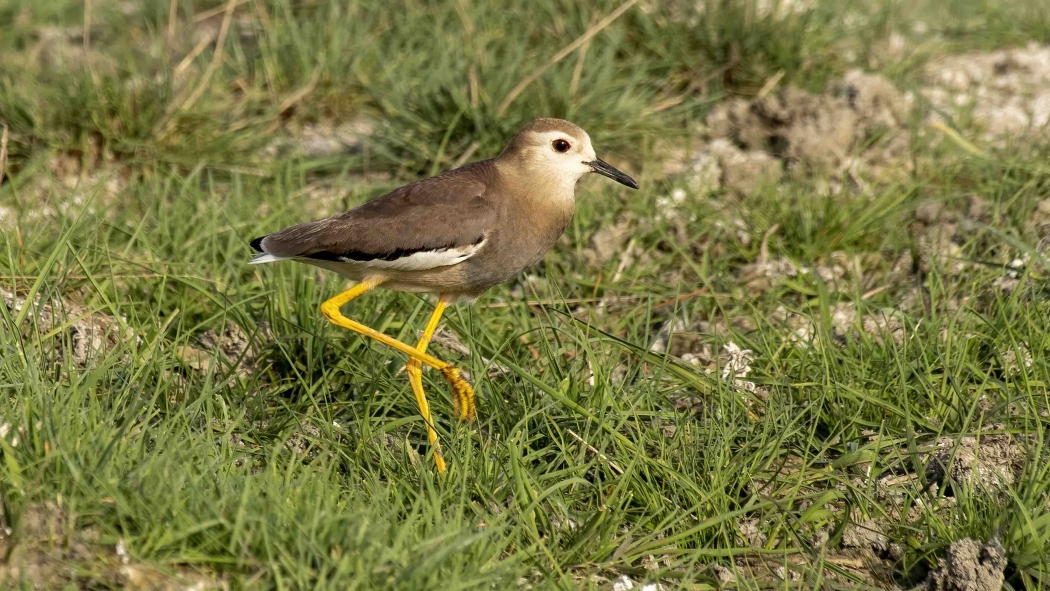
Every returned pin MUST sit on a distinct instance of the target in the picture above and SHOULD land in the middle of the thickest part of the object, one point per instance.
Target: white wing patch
(425, 259)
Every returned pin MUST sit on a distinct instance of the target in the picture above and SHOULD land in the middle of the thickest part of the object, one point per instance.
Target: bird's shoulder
(468, 188)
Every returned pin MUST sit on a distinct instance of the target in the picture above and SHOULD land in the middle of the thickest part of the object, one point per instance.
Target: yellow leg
(331, 307)
(415, 379)
(464, 393)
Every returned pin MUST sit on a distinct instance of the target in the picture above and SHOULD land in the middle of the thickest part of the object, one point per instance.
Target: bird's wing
(431, 223)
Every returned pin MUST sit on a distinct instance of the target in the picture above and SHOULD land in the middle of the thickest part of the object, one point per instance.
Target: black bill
(603, 168)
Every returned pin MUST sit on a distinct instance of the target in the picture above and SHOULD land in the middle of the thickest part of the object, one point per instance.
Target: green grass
(301, 462)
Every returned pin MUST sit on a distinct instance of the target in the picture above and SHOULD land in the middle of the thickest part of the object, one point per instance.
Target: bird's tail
(262, 256)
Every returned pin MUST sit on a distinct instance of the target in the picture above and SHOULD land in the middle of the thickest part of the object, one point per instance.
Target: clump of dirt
(49, 551)
(851, 132)
(687, 345)
(990, 463)
(300, 441)
(91, 334)
(1039, 223)
(867, 535)
(721, 163)
(699, 169)
(723, 574)
(608, 242)
(752, 532)
(1004, 93)
(818, 133)
(803, 129)
(970, 566)
(232, 347)
(1015, 359)
(761, 275)
(938, 238)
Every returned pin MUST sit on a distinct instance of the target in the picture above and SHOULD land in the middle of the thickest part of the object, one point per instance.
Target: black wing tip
(257, 244)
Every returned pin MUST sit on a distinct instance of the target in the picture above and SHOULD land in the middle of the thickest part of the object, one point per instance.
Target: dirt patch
(91, 334)
(322, 139)
(990, 463)
(47, 550)
(880, 325)
(691, 345)
(88, 182)
(1005, 94)
(60, 49)
(970, 566)
(804, 129)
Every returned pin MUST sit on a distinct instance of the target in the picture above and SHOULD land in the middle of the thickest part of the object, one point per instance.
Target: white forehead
(549, 136)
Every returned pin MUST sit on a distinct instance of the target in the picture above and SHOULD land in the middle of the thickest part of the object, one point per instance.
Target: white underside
(417, 261)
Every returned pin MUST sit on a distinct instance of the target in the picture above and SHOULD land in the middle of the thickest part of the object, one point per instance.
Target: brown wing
(449, 211)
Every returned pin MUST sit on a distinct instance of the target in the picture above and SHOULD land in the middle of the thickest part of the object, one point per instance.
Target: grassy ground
(171, 416)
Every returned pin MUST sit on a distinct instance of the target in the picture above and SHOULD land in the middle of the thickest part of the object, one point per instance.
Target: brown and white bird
(455, 235)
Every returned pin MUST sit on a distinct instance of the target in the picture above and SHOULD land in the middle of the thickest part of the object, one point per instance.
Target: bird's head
(561, 150)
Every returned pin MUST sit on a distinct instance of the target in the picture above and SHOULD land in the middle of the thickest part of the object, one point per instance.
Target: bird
(453, 235)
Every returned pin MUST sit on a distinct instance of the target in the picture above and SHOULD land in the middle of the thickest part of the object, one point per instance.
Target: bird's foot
(463, 394)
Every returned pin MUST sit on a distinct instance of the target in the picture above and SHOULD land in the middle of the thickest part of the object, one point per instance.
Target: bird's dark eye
(561, 146)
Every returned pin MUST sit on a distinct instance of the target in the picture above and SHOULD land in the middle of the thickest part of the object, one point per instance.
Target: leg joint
(329, 311)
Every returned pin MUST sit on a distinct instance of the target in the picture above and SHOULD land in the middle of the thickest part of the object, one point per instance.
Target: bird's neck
(539, 187)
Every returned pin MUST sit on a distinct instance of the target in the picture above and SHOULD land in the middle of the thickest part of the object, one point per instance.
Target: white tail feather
(265, 257)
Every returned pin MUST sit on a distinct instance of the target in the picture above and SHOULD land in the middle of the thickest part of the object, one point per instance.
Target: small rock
(724, 575)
